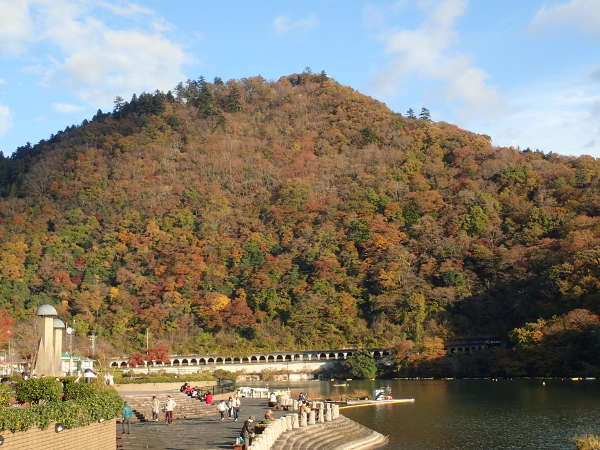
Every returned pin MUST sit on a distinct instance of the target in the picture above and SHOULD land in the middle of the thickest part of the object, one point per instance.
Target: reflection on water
(476, 414)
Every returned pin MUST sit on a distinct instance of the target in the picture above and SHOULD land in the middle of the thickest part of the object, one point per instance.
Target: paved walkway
(192, 434)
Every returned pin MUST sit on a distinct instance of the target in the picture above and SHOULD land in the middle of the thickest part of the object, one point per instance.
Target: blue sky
(526, 73)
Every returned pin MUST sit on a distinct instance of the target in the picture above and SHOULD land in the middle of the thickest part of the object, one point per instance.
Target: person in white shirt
(222, 407)
(272, 400)
(169, 409)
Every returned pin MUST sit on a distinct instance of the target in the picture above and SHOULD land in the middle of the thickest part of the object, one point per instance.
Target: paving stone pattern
(206, 432)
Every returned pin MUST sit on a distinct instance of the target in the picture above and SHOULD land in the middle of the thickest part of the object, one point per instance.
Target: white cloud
(562, 116)
(5, 119)
(2, 81)
(125, 8)
(579, 13)
(429, 51)
(95, 59)
(283, 24)
(66, 107)
(16, 26)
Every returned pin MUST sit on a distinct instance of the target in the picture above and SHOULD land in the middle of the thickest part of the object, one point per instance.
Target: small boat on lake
(381, 396)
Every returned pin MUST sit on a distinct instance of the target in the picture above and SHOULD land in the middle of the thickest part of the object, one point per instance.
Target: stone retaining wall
(97, 436)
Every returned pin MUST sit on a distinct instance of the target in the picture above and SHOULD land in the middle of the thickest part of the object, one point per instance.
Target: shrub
(35, 390)
(587, 442)
(93, 403)
(6, 395)
(77, 391)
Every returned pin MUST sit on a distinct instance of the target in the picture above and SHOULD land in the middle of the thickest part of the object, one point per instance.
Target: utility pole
(9, 358)
(147, 340)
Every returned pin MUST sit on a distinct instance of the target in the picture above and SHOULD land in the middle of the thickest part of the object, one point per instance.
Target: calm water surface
(477, 414)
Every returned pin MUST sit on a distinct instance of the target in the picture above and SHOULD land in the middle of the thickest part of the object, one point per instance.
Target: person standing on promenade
(127, 413)
(248, 432)
(236, 408)
(170, 408)
(230, 407)
(155, 408)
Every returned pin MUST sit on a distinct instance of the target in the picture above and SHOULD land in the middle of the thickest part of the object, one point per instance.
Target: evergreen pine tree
(233, 99)
(410, 114)
(425, 114)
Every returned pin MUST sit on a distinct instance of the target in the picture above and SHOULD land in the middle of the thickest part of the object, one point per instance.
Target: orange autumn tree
(6, 326)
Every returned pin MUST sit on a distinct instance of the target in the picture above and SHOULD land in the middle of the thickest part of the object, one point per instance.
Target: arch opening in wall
(202, 361)
(237, 360)
(262, 358)
(184, 361)
(194, 362)
(253, 359)
(332, 356)
(270, 358)
(288, 357)
(175, 362)
(123, 364)
(114, 364)
(228, 360)
(219, 360)
(279, 358)
(211, 360)
(297, 356)
(322, 356)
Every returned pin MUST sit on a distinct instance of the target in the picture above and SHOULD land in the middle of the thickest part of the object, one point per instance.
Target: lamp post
(70, 332)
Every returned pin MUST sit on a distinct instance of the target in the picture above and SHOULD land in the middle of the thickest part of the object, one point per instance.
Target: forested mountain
(297, 214)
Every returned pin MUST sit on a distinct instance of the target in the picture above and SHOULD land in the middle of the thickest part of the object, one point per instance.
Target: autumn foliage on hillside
(292, 214)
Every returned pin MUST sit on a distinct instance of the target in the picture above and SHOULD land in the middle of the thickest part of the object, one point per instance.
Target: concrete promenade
(192, 434)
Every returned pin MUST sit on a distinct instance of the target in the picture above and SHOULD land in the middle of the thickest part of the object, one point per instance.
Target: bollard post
(303, 419)
(295, 422)
(328, 413)
(312, 417)
(321, 418)
(295, 405)
(335, 412)
(288, 422)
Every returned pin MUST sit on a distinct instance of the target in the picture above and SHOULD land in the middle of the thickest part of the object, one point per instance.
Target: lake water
(476, 414)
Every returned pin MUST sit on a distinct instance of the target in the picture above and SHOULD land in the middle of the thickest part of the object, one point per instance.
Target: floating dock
(359, 403)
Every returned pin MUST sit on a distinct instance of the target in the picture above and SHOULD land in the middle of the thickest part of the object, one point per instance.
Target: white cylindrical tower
(44, 364)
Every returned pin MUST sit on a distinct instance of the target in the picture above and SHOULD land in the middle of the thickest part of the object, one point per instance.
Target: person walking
(170, 409)
(127, 413)
(222, 407)
(155, 408)
(236, 408)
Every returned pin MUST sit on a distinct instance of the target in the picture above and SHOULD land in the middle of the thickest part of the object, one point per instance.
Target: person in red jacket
(209, 398)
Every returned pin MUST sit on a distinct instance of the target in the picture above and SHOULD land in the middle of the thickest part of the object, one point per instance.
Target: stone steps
(186, 407)
(340, 434)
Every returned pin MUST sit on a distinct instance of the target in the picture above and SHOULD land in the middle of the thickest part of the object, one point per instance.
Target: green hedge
(36, 390)
(6, 395)
(89, 404)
